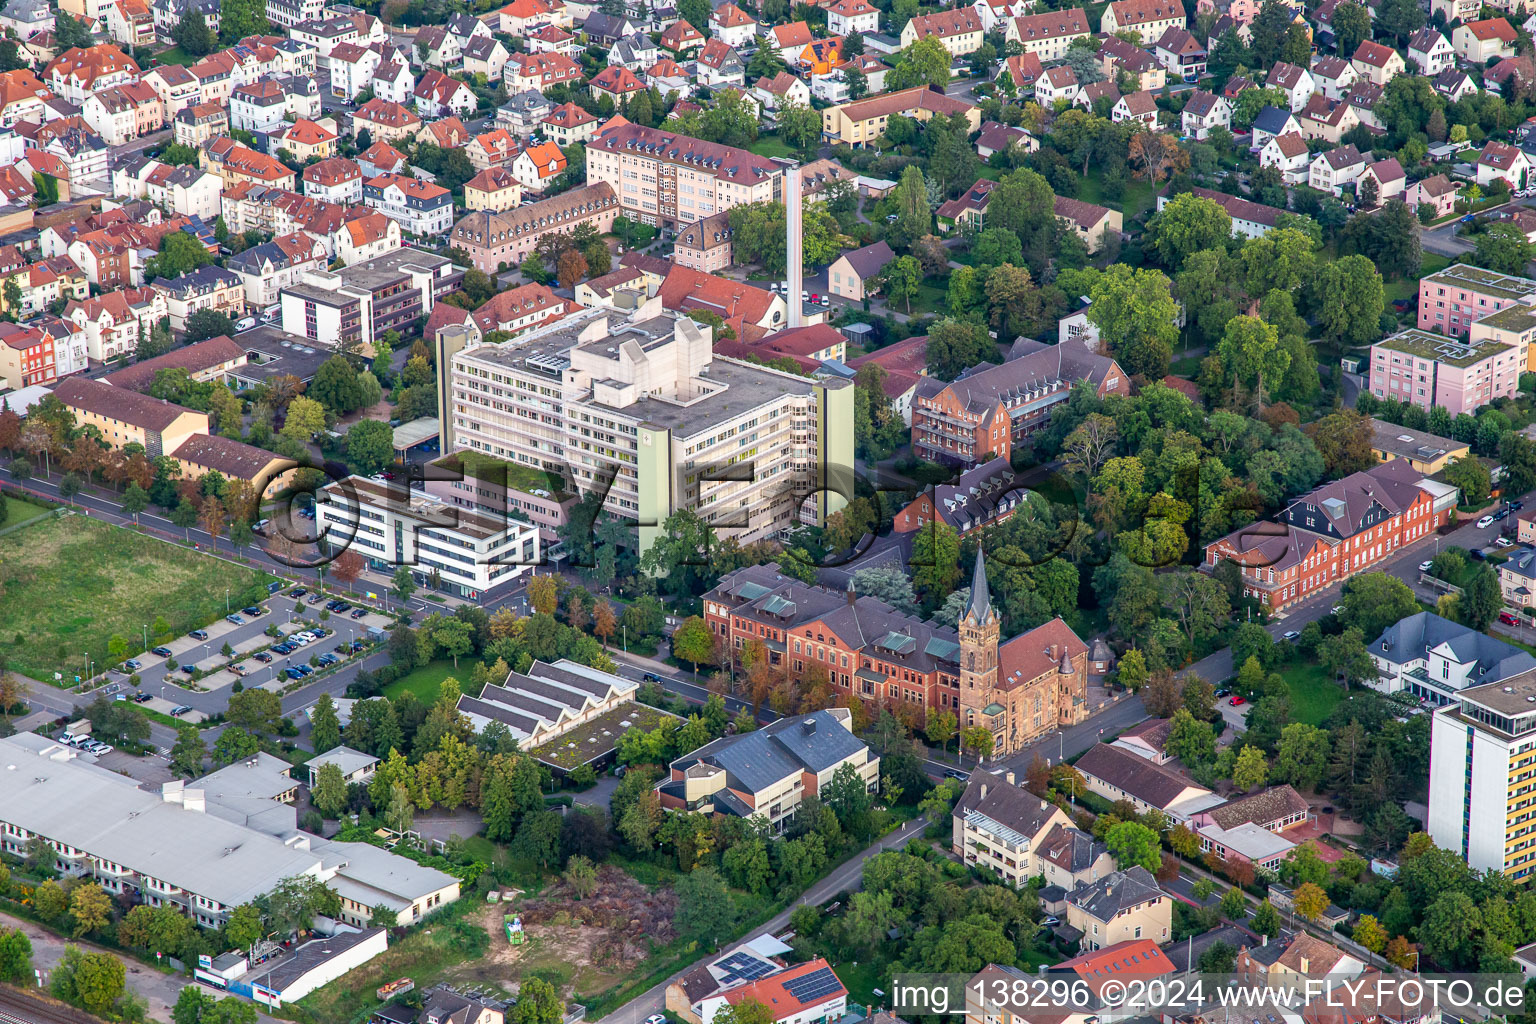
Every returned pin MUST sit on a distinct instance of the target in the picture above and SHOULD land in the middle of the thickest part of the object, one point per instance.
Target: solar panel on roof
(813, 986)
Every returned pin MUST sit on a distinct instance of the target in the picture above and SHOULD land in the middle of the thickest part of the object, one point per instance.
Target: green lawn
(771, 145)
(1313, 694)
(425, 681)
(175, 55)
(519, 476)
(1408, 287)
(116, 583)
(20, 510)
(1138, 197)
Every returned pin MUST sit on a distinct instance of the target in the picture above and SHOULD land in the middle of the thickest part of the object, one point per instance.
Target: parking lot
(172, 688)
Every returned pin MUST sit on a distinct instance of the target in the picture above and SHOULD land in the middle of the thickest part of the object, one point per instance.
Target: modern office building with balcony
(464, 553)
(642, 408)
(362, 302)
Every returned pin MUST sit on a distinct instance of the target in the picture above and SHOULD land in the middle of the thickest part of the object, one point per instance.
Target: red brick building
(869, 649)
(989, 409)
(1331, 533)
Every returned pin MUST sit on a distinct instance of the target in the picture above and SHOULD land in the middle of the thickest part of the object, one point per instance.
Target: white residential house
(1388, 175)
(1057, 84)
(1332, 76)
(1271, 123)
(1335, 168)
(1289, 154)
(732, 25)
(1501, 161)
(1293, 80)
(1140, 107)
(1430, 52)
(848, 16)
(1203, 112)
(393, 81)
(419, 207)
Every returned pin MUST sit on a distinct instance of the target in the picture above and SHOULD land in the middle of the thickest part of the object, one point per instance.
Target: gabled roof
(954, 22)
(1150, 783)
(1121, 891)
(130, 407)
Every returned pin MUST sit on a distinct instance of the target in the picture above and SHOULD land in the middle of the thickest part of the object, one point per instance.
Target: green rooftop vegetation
(591, 740)
(1443, 349)
(1490, 282)
(518, 476)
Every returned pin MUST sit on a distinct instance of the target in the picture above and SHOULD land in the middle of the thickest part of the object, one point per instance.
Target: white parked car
(1424, 565)
(1485, 522)
(1503, 542)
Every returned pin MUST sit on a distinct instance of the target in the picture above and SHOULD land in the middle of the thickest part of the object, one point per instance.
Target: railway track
(17, 1007)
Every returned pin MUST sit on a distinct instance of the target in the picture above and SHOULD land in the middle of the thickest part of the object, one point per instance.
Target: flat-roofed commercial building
(199, 852)
(646, 402)
(451, 549)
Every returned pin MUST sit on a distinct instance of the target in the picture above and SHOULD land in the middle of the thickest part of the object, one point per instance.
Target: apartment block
(768, 773)
(1431, 369)
(990, 408)
(863, 121)
(1482, 756)
(496, 240)
(644, 401)
(1007, 829)
(1461, 294)
(127, 417)
(671, 180)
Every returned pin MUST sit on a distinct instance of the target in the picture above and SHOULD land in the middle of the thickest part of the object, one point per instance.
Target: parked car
(1237, 701)
(293, 673)
(313, 599)
(238, 670)
(142, 698)
(1500, 514)
(1290, 634)
(254, 611)
(1478, 555)
(1223, 692)
(358, 613)
(179, 710)
(328, 658)
(297, 592)
(1485, 522)
(164, 652)
(263, 657)
(132, 665)
(1508, 619)
(650, 677)
(234, 620)
(1424, 565)
(198, 634)
(1503, 542)
(188, 670)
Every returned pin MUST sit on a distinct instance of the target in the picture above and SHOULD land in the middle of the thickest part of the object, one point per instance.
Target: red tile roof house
(807, 346)
(1438, 193)
(904, 363)
(1500, 161)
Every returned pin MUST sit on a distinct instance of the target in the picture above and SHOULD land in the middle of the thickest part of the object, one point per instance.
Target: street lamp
(226, 600)
(146, 637)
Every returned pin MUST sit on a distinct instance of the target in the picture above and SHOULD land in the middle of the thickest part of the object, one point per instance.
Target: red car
(1237, 701)
(1508, 619)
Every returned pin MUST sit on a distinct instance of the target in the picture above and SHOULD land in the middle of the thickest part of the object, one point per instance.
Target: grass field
(21, 510)
(175, 55)
(771, 145)
(70, 584)
(425, 681)
(1313, 694)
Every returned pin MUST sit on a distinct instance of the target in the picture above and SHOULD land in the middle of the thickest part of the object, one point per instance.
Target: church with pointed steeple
(1024, 688)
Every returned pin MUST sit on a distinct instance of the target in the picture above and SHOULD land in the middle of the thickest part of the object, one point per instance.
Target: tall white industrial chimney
(793, 260)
